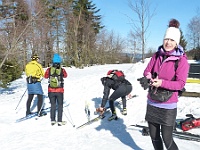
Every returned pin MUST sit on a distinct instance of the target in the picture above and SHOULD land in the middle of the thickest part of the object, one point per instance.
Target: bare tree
(140, 27)
(109, 47)
(46, 30)
(194, 32)
(72, 35)
(134, 44)
(14, 20)
(17, 37)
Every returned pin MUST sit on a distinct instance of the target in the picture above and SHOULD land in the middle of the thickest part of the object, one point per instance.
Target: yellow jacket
(34, 69)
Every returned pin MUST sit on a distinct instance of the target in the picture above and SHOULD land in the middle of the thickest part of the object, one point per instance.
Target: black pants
(122, 91)
(167, 136)
(29, 101)
(56, 99)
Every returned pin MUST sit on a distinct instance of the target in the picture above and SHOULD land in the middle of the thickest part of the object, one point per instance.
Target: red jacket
(56, 90)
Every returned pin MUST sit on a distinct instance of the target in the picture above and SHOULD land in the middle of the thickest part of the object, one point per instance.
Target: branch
(17, 40)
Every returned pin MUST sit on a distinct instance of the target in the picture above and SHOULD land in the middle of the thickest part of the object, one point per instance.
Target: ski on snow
(179, 134)
(117, 104)
(35, 114)
(95, 119)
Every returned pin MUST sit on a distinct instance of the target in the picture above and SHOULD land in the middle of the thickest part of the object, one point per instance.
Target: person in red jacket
(56, 75)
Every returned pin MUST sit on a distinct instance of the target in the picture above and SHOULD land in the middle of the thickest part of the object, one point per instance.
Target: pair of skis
(33, 115)
(178, 134)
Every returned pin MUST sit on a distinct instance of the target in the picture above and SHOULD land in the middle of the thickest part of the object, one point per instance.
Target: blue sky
(115, 12)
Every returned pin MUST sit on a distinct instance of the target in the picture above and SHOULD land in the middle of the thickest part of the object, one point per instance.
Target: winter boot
(113, 117)
(124, 111)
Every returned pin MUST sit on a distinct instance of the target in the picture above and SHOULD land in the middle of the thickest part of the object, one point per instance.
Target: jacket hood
(175, 52)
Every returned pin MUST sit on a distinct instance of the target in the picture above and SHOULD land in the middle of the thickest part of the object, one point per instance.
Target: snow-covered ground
(81, 86)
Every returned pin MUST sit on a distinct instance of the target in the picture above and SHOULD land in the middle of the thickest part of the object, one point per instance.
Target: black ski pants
(167, 137)
(29, 101)
(56, 99)
(121, 91)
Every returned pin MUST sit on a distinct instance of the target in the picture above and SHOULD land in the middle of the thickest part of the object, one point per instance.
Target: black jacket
(109, 83)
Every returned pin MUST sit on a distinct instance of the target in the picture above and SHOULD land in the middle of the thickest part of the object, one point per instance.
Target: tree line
(72, 28)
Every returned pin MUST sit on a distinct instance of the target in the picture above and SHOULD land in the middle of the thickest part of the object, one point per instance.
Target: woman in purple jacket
(163, 76)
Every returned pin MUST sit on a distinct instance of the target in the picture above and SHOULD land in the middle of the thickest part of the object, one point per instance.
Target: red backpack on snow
(190, 123)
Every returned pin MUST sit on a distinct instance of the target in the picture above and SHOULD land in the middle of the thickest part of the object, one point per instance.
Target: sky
(116, 14)
(84, 86)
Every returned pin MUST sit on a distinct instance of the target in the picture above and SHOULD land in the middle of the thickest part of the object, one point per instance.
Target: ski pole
(70, 120)
(21, 99)
(70, 115)
(38, 115)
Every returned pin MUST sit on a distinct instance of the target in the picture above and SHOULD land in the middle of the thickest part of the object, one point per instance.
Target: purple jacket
(166, 70)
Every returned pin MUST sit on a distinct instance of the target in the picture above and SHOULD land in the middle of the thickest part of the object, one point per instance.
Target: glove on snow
(145, 131)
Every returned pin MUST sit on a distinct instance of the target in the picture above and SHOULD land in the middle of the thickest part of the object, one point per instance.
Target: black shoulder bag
(161, 94)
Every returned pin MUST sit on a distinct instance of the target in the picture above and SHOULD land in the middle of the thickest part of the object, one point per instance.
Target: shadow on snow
(117, 128)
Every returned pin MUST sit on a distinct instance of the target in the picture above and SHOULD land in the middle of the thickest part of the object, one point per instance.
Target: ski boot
(42, 113)
(29, 113)
(113, 117)
(124, 111)
(62, 123)
(53, 123)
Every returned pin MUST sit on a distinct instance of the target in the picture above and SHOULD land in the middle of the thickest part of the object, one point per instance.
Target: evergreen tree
(84, 25)
(183, 41)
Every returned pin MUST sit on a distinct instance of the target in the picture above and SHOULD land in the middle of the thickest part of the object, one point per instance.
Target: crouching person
(115, 80)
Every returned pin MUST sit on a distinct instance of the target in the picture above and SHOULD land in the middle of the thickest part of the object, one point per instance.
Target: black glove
(144, 82)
